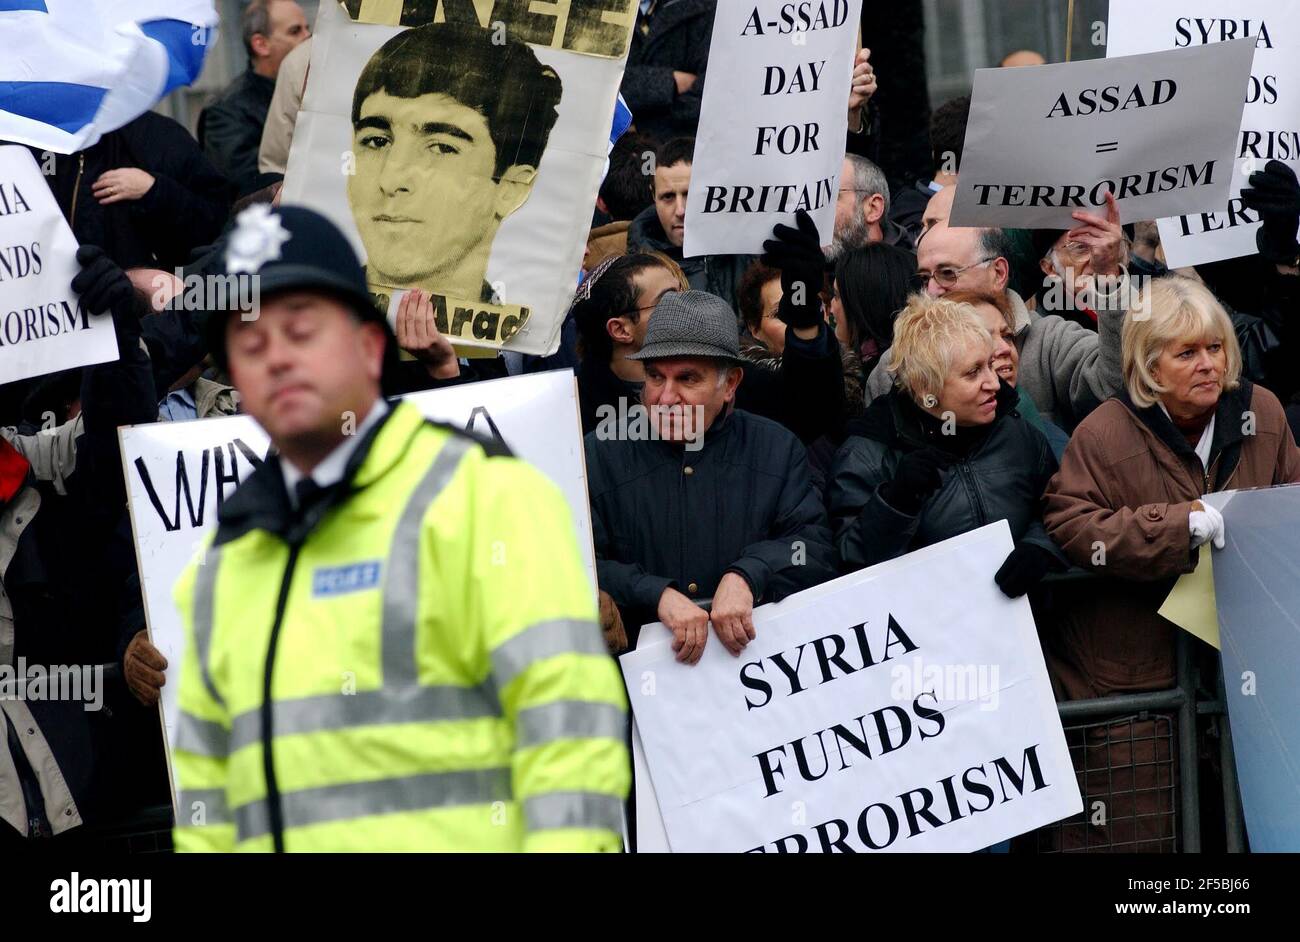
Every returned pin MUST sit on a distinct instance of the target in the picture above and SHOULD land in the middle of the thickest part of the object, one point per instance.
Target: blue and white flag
(622, 120)
(73, 70)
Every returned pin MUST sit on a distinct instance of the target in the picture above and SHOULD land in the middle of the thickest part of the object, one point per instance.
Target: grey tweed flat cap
(691, 324)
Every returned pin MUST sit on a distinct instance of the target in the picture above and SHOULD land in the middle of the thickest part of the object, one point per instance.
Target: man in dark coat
(230, 130)
(692, 500)
(67, 581)
(663, 83)
(661, 227)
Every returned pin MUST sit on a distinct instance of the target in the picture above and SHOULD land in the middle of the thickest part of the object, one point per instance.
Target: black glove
(1024, 568)
(918, 475)
(105, 288)
(798, 254)
(1274, 193)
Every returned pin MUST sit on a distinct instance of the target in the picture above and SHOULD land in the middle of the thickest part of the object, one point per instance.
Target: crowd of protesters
(845, 398)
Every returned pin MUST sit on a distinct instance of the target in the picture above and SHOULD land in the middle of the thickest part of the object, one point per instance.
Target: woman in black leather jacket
(945, 452)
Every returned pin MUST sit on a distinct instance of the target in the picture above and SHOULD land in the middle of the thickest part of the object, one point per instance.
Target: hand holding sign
(861, 89)
(798, 255)
(687, 621)
(1104, 239)
(418, 335)
(1275, 194)
(105, 289)
(732, 613)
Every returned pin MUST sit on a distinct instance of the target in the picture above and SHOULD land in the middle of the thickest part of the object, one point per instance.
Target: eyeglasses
(946, 275)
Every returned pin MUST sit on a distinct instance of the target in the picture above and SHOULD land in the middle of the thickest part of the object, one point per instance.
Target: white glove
(1206, 526)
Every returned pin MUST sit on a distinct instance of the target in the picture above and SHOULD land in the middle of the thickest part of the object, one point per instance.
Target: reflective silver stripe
(543, 640)
(591, 810)
(208, 805)
(205, 583)
(570, 719)
(410, 704)
(385, 796)
(202, 737)
(402, 578)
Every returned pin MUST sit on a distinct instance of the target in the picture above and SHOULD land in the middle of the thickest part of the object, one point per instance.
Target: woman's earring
(930, 400)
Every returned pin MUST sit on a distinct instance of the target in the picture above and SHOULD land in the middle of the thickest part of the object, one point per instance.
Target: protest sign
(1159, 131)
(43, 327)
(179, 474)
(903, 708)
(1257, 588)
(1270, 123)
(772, 122)
(461, 146)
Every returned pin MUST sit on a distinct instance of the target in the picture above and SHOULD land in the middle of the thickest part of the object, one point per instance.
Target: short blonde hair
(1169, 310)
(929, 335)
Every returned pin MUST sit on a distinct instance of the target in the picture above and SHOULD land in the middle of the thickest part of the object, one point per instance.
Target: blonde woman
(943, 453)
(1187, 424)
(1126, 504)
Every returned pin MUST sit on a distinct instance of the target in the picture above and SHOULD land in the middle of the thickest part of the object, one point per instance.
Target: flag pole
(1069, 32)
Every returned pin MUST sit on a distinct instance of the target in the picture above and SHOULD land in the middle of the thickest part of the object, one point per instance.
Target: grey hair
(995, 243)
(256, 19)
(868, 179)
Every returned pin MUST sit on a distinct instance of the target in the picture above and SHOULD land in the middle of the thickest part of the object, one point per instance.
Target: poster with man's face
(460, 144)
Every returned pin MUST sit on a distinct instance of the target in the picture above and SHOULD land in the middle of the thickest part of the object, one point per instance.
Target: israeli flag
(73, 70)
(622, 121)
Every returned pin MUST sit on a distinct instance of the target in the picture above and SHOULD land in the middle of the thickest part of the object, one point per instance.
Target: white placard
(43, 327)
(430, 210)
(1157, 130)
(772, 122)
(1270, 124)
(920, 662)
(179, 473)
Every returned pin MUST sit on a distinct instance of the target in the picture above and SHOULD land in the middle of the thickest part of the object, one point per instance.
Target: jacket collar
(262, 503)
(1228, 428)
(647, 233)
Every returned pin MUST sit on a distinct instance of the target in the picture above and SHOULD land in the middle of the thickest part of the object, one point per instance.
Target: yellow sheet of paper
(1191, 605)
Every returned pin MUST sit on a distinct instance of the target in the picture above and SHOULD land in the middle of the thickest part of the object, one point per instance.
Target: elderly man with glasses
(1067, 369)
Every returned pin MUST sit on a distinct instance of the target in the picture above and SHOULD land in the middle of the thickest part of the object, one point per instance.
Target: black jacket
(69, 580)
(185, 208)
(230, 129)
(675, 38)
(716, 274)
(999, 472)
(664, 516)
(599, 386)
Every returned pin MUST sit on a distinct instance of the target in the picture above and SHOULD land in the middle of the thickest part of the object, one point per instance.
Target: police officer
(392, 641)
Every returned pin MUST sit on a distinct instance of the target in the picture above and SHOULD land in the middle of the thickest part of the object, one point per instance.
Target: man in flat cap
(692, 499)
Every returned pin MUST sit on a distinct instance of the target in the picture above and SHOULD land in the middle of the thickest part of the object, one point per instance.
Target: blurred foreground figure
(392, 641)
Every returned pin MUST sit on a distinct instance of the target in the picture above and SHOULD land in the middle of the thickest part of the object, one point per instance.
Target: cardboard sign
(772, 123)
(905, 707)
(1159, 131)
(43, 327)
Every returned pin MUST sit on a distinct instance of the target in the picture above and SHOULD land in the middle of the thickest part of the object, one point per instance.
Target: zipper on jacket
(76, 189)
(275, 813)
(968, 478)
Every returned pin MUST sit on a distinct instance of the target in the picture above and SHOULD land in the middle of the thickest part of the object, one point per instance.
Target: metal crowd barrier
(1165, 718)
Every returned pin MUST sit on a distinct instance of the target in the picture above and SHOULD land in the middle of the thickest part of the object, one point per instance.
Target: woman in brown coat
(1126, 505)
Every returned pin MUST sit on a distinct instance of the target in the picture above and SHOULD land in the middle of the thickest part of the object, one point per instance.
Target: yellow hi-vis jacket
(437, 678)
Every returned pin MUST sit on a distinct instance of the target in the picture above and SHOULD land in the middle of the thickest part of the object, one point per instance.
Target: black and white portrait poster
(460, 144)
